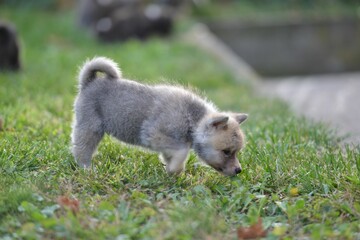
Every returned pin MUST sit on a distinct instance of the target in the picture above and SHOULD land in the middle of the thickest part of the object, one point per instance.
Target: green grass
(128, 194)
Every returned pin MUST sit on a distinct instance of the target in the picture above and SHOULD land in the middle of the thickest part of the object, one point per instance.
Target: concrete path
(332, 99)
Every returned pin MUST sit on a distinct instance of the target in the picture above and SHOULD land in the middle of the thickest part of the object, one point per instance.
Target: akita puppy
(166, 119)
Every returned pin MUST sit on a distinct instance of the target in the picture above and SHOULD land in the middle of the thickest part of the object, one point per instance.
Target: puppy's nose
(237, 170)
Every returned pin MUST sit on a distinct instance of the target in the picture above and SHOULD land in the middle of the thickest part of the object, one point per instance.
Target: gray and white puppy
(166, 119)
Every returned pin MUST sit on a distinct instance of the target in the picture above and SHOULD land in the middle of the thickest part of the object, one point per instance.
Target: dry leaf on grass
(253, 232)
(72, 204)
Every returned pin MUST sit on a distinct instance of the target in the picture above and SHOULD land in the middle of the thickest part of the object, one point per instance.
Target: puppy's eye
(227, 152)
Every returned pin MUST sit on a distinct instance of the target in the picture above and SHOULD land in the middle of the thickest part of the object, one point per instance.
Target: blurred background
(276, 37)
(306, 52)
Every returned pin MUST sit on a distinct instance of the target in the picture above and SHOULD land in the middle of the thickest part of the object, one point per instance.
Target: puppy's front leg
(175, 160)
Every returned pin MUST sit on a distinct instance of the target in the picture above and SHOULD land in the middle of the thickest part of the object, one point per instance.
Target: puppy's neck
(198, 110)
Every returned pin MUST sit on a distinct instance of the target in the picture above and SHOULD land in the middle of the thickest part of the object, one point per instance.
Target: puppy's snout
(237, 170)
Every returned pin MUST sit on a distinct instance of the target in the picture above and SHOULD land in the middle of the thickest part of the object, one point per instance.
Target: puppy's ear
(218, 122)
(240, 117)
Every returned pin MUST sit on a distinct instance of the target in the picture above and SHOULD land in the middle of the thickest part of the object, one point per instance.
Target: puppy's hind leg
(84, 143)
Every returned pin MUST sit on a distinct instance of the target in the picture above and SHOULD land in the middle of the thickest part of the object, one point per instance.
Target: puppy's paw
(84, 165)
(174, 171)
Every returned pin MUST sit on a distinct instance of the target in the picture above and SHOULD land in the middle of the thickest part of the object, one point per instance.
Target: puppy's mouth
(218, 168)
(222, 171)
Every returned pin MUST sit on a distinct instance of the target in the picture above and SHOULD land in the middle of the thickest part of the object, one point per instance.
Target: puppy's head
(217, 141)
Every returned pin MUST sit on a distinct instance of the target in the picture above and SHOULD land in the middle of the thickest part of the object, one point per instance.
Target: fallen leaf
(72, 204)
(253, 232)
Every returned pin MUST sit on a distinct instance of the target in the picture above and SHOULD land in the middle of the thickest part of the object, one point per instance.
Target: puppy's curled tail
(98, 64)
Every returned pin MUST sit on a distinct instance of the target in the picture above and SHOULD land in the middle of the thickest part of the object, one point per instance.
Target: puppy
(9, 48)
(120, 20)
(166, 119)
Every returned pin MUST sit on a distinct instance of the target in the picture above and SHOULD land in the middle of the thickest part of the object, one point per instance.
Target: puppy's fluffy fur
(166, 119)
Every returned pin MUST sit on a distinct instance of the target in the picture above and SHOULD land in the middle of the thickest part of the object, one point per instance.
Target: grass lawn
(295, 177)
